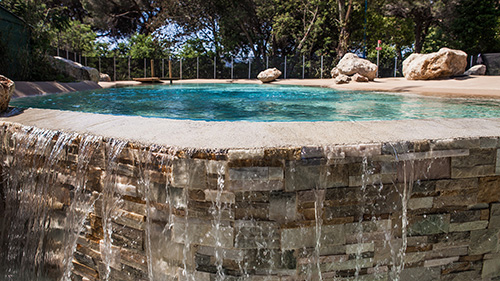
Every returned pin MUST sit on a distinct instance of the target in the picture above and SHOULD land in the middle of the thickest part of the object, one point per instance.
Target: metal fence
(223, 67)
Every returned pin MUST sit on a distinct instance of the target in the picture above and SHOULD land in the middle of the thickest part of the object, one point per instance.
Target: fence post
(285, 69)
(232, 68)
(58, 51)
(67, 54)
(86, 64)
(249, 68)
(303, 66)
(100, 65)
(162, 67)
(114, 68)
(170, 67)
(152, 68)
(180, 75)
(395, 66)
(145, 68)
(129, 68)
(215, 67)
(267, 62)
(321, 67)
(197, 67)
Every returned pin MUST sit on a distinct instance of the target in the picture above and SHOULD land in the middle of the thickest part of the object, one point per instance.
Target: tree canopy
(261, 28)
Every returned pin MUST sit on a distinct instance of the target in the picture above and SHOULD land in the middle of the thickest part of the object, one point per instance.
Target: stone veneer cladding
(272, 203)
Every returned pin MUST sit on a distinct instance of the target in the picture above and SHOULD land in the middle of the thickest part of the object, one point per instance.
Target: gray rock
(442, 64)
(269, 75)
(103, 77)
(479, 69)
(360, 78)
(6, 89)
(342, 79)
(351, 64)
(74, 70)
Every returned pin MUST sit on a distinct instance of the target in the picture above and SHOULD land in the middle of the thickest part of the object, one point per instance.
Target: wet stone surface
(425, 210)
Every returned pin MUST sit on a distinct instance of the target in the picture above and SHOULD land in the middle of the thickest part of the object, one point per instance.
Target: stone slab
(238, 135)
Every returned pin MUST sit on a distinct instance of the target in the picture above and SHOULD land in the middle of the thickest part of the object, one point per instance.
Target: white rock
(269, 75)
(6, 89)
(342, 79)
(479, 69)
(360, 78)
(103, 77)
(442, 64)
(351, 64)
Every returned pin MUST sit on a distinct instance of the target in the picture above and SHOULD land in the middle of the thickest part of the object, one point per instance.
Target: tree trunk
(418, 38)
(344, 33)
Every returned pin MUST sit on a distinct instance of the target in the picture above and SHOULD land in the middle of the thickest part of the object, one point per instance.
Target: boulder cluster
(353, 68)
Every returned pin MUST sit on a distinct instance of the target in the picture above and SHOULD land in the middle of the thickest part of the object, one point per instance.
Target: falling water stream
(82, 203)
(36, 159)
(111, 203)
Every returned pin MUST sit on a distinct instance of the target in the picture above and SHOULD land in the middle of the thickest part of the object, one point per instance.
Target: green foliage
(194, 48)
(146, 46)
(78, 37)
(257, 28)
(474, 26)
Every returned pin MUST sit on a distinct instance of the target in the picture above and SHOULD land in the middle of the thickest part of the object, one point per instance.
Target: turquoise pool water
(255, 102)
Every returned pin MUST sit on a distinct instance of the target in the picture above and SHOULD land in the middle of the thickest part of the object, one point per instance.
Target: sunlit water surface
(254, 102)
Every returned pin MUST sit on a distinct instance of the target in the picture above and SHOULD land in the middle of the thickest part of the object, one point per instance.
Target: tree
(293, 24)
(474, 26)
(122, 18)
(78, 37)
(423, 13)
(344, 14)
(146, 46)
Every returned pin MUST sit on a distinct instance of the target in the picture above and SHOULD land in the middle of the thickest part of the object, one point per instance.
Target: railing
(223, 67)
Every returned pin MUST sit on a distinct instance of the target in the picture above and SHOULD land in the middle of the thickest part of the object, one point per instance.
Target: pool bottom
(379, 210)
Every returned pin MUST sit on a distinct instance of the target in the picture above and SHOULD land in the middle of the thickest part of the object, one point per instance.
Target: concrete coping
(188, 134)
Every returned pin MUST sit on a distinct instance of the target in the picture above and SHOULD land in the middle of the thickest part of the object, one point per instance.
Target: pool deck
(234, 135)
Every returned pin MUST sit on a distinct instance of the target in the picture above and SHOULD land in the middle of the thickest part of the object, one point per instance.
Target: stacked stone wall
(423, 210)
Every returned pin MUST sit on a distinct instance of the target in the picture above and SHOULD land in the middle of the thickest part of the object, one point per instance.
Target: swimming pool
(254, 102)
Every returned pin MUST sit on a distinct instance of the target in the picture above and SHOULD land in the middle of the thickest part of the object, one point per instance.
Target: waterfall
(82, 203)
(111, 203)
(31, 226)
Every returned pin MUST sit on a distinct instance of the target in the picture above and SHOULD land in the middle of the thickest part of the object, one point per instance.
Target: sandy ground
(470, 86)
(23, 88)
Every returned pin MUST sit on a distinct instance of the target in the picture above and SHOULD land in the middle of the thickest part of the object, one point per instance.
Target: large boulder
(6, 90)
(269, 75)
(442, 64)
(74, 70)
(479, 69)
(351, 64)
